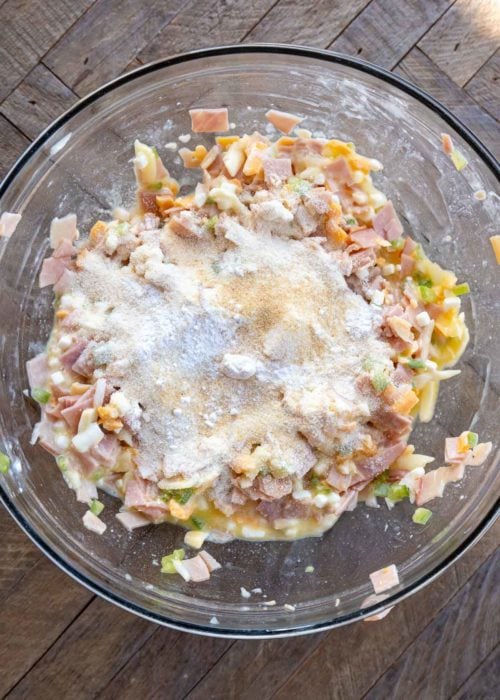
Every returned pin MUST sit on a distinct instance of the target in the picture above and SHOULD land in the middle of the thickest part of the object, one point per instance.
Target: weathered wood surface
(56, 638)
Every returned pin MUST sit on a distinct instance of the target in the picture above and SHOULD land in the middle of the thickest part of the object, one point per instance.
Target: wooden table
(57, 640)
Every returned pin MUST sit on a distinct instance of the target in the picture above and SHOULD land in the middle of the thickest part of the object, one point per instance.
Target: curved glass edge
(285, 49)
(331, 57)
(213, 631)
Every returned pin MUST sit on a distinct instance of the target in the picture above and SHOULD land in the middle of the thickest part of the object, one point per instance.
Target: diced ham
(387, 224)
(385, 578)
(194, 569)
(106, 451)
(409, 246)
(338, 481)
(432, 484)
(52, 270)
(65, 282)
(339, 172)
(85, 364)
(209, 120)
(63, 229)
(318, 200)
(185, 225)
(452, 453)
(65, 249)
(283, 508)
(363, 259)
(38, 371)
(212, 564)
(86, 491)
(407, 265)
(447, 144)
(372, 466)
(131, 520)
(46, 437)
(283, 121)
(143, 495)
(366, 238)
(71, 355)
(93, 523)
(8, 223)
(73, 412)
(275, 488)
(402, 374)
(148, 202)
(348, 502)
(372, 600)
(277, 170)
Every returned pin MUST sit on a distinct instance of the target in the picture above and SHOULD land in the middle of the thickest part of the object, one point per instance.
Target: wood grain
(61, 641)
(465, 37)
(385, 31)
(484, 86)
(309, 23)
(418, 68)
(29, 28)
(12, 144)
(39, 99)
(106, 38)
(210, 23)
(483, 683)
(432, 666)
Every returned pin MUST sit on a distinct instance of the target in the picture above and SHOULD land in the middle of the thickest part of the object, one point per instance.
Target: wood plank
(307, 23)
(104, 41)
(29, 29)
(87, 655)
(464, 38)
(484, 86)
(39, 608)
(385, 31)
(418, 68)
(441, 659)
(171, 661)
(208, 23)
(347, 662)
(37, 101)
(252, 669)
(17, 554)
(483, 683)
(12, 144)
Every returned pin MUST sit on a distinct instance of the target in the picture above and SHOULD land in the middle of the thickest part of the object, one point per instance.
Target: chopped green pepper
(62, 463)
(379, 381)
(416, 364)
(427, 294)
(211, 222)
(421, 516)
(460, 289)
(182, 496)
(472, 439)
(155, 186)
(167, 562)
(398, 243)
(41, 395)
(96, 506)
(4, 463)
(197, 522)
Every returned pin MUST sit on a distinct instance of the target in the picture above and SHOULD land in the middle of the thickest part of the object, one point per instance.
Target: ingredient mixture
(247, 359)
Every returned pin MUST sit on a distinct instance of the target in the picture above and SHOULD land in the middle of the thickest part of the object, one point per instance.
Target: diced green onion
(309, 569)
(155, 186)
(458, 159)
(416, 364)
(350, 221)
(298, 185)
(96, 506)
(216, 267)
(41, 395)
(422, 516)
(155, 151)
(167, 566)
(62, 462)
(398, 243)
(460, 289)
(472, 439)
(197, 522)
(418, 253)
(379, 381)
(4, 463)
(211, 222)
(394, 492)
(182, 496)
(210, 200)
(427, 294)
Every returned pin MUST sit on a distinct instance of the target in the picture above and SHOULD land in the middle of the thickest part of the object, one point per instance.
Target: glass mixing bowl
(81, 164)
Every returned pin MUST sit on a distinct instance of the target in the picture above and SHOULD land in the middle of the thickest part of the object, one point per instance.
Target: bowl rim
(282, 49)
